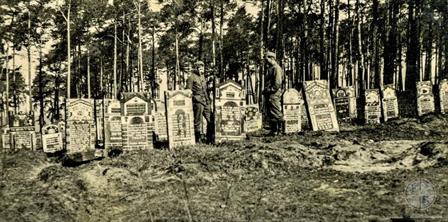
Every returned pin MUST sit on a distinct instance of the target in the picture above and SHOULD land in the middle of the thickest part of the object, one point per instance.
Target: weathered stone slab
(372, 108)
(345, 103)
(443, 93)
(113, 129)
(292, 108)
(252, 118)
(179, 113)
(51, 138)
(80, 126)
(229, 112)
(23, 137)
(161, 129)
(425, 98)
(389, 103)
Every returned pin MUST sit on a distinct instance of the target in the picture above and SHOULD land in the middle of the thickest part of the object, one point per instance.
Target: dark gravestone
(389, 103)
(443, 94)
(179, 117)
(292, 110)
(80, 127)
(372, 108)
(320, 107)
(425, 98)
(229, 108)
(51, 139)
(252, 118)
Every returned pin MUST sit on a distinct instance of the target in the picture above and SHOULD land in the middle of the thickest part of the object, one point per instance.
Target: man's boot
(197, 137)
(274, 128)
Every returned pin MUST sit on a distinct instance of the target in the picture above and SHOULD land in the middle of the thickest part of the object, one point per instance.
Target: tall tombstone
(179, 118)
(51, 138)
(136, 122)
(80, 137)
(320, 106)
(425, 98)
(160, 126)
(292, 107)
(345, 103)
(389, 103)
(372, 108)
(23, 137)
(443, 93)
(113, 131)
(230, 103)
(6, 139)
(252, 118)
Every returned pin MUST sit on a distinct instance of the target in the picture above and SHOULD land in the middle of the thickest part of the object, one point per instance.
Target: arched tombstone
(320, 106)
(252, 118)
(372, 108)
(443, 93)
(51, 138)
(136, 122)
(229, 112)
(179, 118)
(160, 126)
(389, 103)
(425, 98)
(113, 131)
(345, 103)
(292, 108)
(80, 137)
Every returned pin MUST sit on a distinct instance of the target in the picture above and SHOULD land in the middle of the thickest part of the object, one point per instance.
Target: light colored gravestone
(252, 118)
(62, 130)
(113, 131)
(23, 137)
(443, 93)
(372, 109)
(179, 117)
(229, 112)
(51, 138)
(6, 139)
(292, 108)
(320, 106)
(389, 103)
(345, 103)
(136, 122)
(80, 137)
(160, 126)
(425, 98)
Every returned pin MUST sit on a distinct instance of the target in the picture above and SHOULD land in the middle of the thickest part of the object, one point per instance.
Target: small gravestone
(320, 106)
(372, 113)
(51, 138)
(179, 117)
(389, 103)
(229, 109)
(425, 98)
(136, 122)
(113, 132)
(292, 107)
(252, 118)
(160, 121)
(100, 112)
(6, 139)
(443, 92)
(345, 103)
(61, 126)
(80, 137)
(23, 137)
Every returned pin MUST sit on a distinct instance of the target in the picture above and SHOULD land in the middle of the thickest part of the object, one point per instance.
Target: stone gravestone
(389, 103)
(179, 117)
(372, 109)
(443, 93)
(160, 126)
(136, 122)
(61, 126)
(252, 118)
(292, 108)
(320, 106)
(51, 138)
(80, 137)
(345, 103)
(425, 98)
(113, 132)
(23, 137)
(6, 139)
(229, 108)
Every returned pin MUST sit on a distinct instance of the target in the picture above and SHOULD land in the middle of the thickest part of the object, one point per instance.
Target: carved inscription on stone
(425, 98)
(372, 108)
(292, 111)
(179, 114)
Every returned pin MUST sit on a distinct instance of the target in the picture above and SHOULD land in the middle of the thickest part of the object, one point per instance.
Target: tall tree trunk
(376, 47)
(28, 50)
(221, 38)
(322, 63)
(140, 50)
(335, 54)
(114, 90)
(361, 61)
(88, 74)
(411, 52)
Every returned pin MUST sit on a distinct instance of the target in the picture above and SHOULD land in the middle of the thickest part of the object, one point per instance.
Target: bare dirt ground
(359, 174)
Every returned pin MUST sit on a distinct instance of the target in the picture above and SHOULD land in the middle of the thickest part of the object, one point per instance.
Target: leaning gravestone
(389, 103)
(425, 98)
(443, 93)
(160, 126)
(51, 139)
(23, 137)
(320, 106)
(372, 108)
(345, 103)
(80, 137)
(113, 132)
(292, 107)
(179, 118)
(229, 107)
(136, 122)
(252, 118)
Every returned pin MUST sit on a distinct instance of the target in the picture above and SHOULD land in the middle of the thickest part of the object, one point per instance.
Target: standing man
(273, 93)
(201, 102)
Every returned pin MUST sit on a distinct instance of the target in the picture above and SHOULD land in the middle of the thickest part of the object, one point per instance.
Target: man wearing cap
(273, 93)
(201, 102)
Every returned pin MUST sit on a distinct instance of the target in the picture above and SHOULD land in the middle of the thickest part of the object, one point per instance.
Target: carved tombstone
(252, 118)
(345, 103)
(80, 135)
(443, 92)
(136, 122)
(425, 98)
(389, 103)
(6, 139)
(179, 117)
(160, 126)
(229, 108)
(320, 106)
(62, 130)
(51, 138)
(113, 132)
(23, 137)
(372, 108)
(292, 108)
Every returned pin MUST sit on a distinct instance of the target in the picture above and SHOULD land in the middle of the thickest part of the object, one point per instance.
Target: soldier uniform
(273, 93)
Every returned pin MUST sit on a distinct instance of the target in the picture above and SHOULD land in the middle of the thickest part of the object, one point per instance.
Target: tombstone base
(85, 156)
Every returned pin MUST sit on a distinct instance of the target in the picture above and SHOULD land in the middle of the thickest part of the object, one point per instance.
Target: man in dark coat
(273, 93)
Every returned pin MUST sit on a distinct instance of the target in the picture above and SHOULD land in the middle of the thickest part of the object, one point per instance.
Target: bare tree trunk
(114, 91)
(140, 51)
